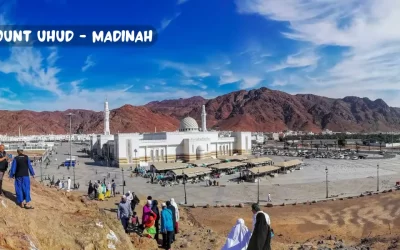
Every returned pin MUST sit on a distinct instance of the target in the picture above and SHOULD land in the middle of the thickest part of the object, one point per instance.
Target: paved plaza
(346, 177)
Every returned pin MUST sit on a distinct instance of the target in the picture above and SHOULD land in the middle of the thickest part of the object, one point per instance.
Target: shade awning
(163, 166)
(205, 162)
(260, 160)
(192, 171)
(227, 165)
(263, 169)
(288, 164)
(233, 158)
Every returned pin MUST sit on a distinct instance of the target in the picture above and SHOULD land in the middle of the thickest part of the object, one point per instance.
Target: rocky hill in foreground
(59, 220)
(255, 110)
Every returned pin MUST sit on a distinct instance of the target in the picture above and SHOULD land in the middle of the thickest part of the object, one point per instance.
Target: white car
(355, 158)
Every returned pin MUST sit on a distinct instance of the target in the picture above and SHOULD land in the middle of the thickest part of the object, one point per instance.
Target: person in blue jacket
(167, 226)
(20, 169)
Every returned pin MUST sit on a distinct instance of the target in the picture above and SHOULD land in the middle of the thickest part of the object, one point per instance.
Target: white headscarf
(173, 203)
(238, 238)
(129, 196)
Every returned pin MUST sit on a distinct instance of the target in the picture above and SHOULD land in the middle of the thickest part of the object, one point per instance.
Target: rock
(194, 205)
(269, 205)
(89, 247)
(241, 205)
(185, 244)
(207, 206)
(283, 204)
(212, 240)
(314, 201)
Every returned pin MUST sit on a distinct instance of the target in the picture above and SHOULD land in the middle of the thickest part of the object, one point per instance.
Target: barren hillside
(58, 221)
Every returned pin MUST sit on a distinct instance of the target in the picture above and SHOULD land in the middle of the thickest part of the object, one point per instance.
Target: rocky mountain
(127, 118)
(255, 110)
(270, 110)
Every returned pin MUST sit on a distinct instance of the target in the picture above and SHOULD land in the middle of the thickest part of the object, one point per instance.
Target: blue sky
(207, 48)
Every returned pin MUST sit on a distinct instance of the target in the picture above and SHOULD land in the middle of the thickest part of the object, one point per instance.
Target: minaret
(203, 119)
(106, 118)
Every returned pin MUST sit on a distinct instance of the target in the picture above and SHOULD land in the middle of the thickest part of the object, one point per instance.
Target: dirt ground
(59, 220)
(375, 217)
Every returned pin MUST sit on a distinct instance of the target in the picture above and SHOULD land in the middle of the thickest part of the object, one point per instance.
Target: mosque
(186, 144)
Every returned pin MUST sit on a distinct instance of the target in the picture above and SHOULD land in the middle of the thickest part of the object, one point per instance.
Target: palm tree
(317, 146)
(335, 143)
(357, 147)
(380, 145)
(311, 144)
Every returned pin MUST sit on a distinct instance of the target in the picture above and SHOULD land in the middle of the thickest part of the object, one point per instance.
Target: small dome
(188, 124)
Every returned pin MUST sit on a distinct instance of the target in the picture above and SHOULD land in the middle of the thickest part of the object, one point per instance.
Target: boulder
(269, 205)
(241, 205)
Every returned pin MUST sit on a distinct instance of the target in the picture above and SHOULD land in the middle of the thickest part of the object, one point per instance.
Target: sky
(334, 48)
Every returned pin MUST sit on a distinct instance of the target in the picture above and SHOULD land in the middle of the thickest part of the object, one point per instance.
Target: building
(188, 143)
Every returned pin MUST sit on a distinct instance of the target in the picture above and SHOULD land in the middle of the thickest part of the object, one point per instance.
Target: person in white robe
(173, 203)
(238, 238)
(69, 184)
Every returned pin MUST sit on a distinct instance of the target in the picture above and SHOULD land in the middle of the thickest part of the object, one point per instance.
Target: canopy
(233, 158)
(163, 166)
(288, 164)
(205, 162)
(260, 160)
(191, 172)
(228, 165)
(264, 169)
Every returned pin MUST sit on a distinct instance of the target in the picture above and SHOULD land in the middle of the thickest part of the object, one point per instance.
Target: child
(135, 220)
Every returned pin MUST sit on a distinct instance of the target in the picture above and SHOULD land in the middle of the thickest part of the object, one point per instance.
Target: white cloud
(147, 87)
(167, 21)
(250, 82)
(186, 70)
(30, 68)
(298, 60)
(228, 77)
(245, 81)
(278, 83)
(367, 29)
(88, 63)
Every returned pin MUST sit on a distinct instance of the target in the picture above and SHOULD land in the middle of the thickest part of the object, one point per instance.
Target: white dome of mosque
(188, 124)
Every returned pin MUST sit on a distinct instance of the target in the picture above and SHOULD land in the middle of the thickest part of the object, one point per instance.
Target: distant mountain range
(255, 110)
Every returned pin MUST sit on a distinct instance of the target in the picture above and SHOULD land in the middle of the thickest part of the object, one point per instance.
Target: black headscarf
(90, 189)
(261, 237)
(154, 208)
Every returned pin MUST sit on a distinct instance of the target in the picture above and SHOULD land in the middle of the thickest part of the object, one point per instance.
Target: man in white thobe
(69, 184)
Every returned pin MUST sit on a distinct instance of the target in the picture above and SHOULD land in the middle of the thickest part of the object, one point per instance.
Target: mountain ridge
(260, 109)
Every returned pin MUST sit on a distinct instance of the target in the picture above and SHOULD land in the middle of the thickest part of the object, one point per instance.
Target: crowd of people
(100, 190)
(155, 220)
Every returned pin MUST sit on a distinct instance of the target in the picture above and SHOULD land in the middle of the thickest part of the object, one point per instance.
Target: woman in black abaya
(261, 237)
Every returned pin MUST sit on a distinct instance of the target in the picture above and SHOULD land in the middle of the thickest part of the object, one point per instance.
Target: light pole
(70, 144)
(184, 185)
(327, 191)
(135, 151)
(377, 177)
(258, 186)
(41, 171)
(123, 182)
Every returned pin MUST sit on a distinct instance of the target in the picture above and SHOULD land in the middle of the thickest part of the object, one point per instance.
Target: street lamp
(258, 186)
(327, 192)
(135, 151)
(184, 185)
(70, 143)
(123, 182)
(377, 177)
(41, 171)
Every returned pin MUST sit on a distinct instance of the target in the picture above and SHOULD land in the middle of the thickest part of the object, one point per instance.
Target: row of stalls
(201, 169)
